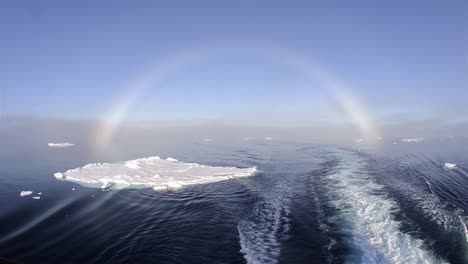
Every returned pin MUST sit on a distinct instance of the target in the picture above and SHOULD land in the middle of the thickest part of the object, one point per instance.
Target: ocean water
(306, 204)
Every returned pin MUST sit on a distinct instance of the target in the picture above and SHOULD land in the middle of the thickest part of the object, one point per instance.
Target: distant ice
(450, 166)
(61, 145)
(59, 175)
(268, 138)
(207, 140)
(412, 140)
(106, 185)
(152, 172)
(36, 197)
(359, 140)
(25, 193)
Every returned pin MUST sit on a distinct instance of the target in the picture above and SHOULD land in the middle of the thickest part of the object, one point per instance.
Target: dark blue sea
(396, 203)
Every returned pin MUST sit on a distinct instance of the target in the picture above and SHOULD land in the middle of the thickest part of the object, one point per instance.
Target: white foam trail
(261, 234)
(430, 204)
(464, 228)
(149, 172)
(61, 145)
(369, 217)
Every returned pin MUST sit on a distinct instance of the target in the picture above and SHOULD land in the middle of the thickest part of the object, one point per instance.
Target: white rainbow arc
(106, 128)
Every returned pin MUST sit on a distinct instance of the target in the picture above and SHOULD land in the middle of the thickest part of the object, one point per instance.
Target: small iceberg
(412, 140)
(359, 140)
(450, 166)
(36, 197)
(25, 193)
(152, 172)
(61, 145)
(59, 176)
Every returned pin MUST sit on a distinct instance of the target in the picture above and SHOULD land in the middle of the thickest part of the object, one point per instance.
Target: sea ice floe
(412, 140)
(25, 193)
(152, 172)
(106, 185)
(61, 145)
(36, 197)
(59, 175)
(450, 166)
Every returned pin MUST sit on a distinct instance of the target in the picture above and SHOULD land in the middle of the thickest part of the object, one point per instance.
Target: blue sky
(404, 59)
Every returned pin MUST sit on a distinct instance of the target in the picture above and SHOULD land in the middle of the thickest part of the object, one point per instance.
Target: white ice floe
(152, 172)
(59, 176)
(411, 140)
(450, 166)
(36, 197)
(106, 185)
(25, 193)
(61, 145)
(268, 138)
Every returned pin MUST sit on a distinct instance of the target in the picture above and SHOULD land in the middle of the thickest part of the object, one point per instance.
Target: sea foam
(367, 216)
(152, 172)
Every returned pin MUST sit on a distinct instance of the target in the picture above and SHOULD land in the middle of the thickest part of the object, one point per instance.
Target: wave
(434, 208)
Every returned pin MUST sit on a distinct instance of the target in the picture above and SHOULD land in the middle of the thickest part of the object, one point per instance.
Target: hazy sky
(404, 60)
